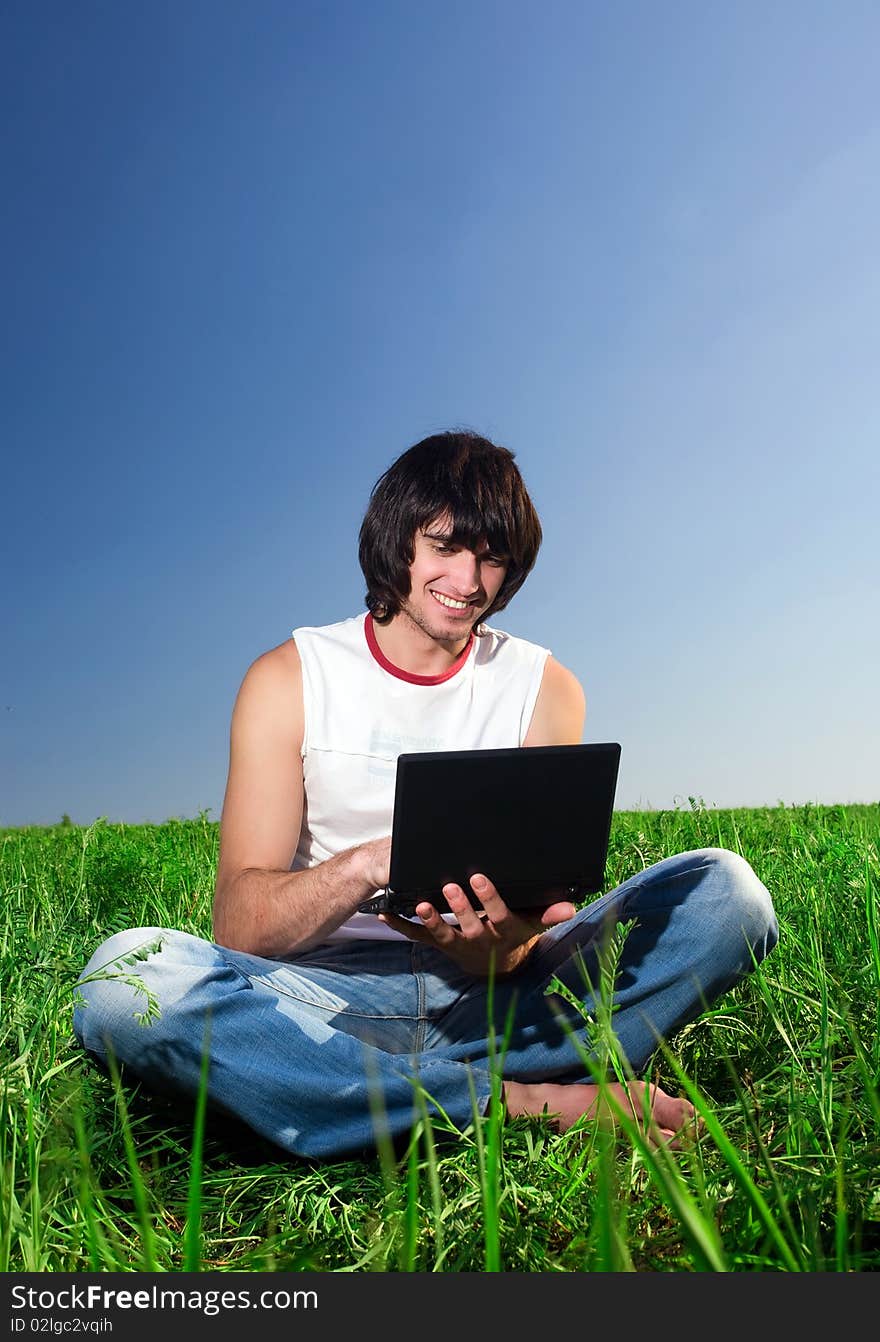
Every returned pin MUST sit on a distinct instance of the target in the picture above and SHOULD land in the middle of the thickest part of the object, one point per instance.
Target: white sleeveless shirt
(361, 712)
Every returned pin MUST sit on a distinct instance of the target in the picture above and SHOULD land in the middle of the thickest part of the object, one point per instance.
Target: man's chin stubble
(441, 635)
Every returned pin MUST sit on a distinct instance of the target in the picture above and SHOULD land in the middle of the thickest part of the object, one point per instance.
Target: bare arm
(260, 905)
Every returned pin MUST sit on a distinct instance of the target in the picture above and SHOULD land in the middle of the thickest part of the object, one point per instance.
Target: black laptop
(535, 819)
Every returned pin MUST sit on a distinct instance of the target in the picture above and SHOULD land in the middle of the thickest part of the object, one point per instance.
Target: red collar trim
(393, 670)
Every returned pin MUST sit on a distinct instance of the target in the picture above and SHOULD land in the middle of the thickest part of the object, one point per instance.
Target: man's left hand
(501, 940)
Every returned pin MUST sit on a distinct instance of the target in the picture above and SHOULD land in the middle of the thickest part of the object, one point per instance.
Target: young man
(312, 1011)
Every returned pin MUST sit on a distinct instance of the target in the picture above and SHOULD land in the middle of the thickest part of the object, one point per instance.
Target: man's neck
(412, 649)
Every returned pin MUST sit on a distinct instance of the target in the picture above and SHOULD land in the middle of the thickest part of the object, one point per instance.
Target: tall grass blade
(734, 1163)
(33, 1241)
(192, 1239)
(101, 1258)
(8, 1154)
(871, 919)
(491, 1168)
(433, 1166)
(410, 1246)
(138, 1188)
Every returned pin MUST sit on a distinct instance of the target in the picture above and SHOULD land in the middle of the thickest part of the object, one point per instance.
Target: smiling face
(450, 586)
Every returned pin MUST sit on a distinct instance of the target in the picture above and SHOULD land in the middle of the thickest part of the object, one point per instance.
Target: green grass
(98, 1176)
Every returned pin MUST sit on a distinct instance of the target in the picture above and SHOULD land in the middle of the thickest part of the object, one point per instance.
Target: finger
(413, 931)
(540, 916)
(437, 926)
(557, 913)
(432, 930)
(469, 921)
(518, 926)
(490, 899)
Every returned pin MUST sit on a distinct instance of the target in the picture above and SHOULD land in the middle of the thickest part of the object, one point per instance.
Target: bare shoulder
(277, 663)
(560, 709)
(560, 682)
(272, 689)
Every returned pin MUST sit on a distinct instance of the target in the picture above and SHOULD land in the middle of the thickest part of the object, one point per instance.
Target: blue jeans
(301, 1048)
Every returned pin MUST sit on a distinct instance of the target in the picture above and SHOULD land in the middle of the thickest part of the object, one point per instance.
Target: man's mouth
(450, 602)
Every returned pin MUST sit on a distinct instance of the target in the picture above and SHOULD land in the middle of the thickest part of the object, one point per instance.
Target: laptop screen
(532, 819)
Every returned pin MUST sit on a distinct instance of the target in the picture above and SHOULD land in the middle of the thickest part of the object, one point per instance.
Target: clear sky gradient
(251, 252)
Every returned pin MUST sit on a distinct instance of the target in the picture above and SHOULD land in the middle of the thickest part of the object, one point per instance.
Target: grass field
(785, 1070)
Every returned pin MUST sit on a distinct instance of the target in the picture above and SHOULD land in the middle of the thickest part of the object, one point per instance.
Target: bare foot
(669, 1122)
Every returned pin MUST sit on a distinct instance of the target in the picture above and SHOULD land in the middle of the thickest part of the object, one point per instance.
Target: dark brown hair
(473, 481)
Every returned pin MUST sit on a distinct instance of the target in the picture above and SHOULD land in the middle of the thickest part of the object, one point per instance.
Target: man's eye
(443, 549)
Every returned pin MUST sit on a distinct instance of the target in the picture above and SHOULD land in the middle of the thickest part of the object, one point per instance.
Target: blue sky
(252, 252)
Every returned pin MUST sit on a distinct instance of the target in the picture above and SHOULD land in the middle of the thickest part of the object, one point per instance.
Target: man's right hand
(374, 862)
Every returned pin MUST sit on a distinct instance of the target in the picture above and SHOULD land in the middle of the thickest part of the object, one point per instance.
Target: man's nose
(466, 572)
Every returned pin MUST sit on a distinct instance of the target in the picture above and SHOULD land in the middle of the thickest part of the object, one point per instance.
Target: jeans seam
(421, 1021)
(322, 1006)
